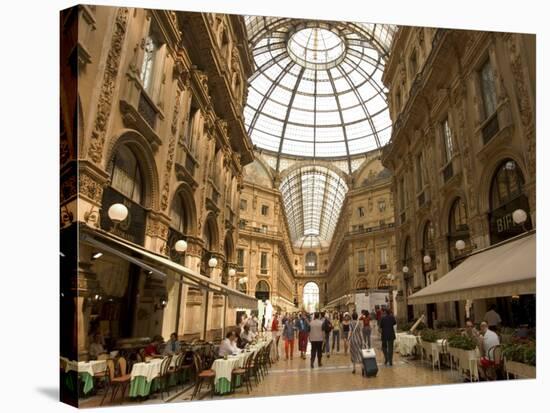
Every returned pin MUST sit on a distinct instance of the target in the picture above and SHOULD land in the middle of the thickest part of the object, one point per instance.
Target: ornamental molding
(105, 100)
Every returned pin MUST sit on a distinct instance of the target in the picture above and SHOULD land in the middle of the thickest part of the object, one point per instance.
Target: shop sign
(502, 225)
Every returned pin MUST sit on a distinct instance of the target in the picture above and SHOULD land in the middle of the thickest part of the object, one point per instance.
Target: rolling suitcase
(370, 368)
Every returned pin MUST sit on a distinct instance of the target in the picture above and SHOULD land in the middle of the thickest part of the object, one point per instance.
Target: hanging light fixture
(180, 246)
(519, 216)
(427, 259)
(212, 262)
(117, 212)
(460, 245)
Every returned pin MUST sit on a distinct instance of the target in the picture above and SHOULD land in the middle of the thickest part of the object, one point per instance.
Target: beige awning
(503, 270)
(236, 299)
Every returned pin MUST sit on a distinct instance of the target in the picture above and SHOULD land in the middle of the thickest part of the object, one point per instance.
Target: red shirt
(275, 324)
(150, 350)
(366, 321)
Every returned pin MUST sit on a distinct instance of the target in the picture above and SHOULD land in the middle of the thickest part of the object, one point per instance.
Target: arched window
(507, 184)
(178, 217)
(458, 230)
(457, 218)
(311, 297)
(311, 261)
(428, 247)
(126, 176)
(507, 195)
(362, 284)
(262, 290)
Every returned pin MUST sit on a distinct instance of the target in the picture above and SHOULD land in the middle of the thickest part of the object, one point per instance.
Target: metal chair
(115, 382)
(202, 375)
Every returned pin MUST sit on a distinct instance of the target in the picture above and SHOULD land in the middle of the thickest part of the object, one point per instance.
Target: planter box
(520, 370)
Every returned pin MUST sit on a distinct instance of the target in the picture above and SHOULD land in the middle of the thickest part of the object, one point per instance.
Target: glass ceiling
(312, 197)
(317, 91)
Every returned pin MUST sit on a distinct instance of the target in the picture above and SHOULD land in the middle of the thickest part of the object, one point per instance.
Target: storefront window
(126, 175)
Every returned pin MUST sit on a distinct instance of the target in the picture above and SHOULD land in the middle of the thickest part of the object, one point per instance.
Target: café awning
(155, 263)
(506, 269)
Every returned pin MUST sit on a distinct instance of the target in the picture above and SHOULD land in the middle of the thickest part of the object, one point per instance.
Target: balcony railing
(147, 110)
(490, 128)
(448, 172)
(378, 228)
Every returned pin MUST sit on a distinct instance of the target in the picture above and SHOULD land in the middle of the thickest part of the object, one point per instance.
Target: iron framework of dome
(312, 196)
(317, 91)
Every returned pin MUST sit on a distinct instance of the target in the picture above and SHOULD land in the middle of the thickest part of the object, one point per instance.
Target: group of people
(318, 328)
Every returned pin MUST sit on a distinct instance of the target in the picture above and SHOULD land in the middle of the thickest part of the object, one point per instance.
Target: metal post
(205, 314)
(224, 315)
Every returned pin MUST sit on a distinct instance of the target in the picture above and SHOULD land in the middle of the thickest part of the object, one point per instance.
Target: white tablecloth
(223, 368)
(467, 360)
(90, 367)
(149, 370)
(405, 343)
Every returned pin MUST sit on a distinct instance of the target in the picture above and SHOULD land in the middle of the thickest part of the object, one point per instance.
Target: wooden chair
(256, 367)
(244, 374)
(115, 382)
(202, 375)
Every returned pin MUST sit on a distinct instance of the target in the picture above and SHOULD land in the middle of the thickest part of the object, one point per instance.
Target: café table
(406, 343)
(86, 371)
(224, 367)
(143, 375)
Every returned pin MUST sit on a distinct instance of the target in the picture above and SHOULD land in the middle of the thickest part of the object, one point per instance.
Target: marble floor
(292, 377)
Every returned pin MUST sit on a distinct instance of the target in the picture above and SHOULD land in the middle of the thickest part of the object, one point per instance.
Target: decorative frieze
(105, 100)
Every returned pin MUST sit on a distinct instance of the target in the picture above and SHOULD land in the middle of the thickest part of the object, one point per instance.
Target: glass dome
(317, 88)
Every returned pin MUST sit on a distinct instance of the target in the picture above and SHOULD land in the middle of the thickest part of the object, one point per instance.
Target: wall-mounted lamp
(161, 304)
(117, 213)
(231, 272)
(405, 269)
(97, 255)
(427, 259)
(460, 245)
(180, 246)
(519, 216)
(243, 280)
(212, 262)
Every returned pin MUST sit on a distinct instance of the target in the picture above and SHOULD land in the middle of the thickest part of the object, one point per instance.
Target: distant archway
(262, 290)
(311, 297)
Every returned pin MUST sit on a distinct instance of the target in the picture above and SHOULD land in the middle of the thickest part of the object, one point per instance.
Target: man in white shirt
(316, 337)
(492, 318)
(96, 348)
(487, 361)
(490, 339)
(229, 345)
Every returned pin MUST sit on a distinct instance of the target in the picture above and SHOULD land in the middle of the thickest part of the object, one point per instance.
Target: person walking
(302, 325)
(336, 331)
(288, 336)
(316, 337)
(366, 330)
(356, 341)
(327, 328)
(345, 331)
(387, 333)
(276, 332)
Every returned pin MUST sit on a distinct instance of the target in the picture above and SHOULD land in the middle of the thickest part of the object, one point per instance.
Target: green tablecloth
(88, 381)
(223, 385)
(140, 387)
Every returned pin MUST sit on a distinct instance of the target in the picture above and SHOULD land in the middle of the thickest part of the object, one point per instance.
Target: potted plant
(520, 359)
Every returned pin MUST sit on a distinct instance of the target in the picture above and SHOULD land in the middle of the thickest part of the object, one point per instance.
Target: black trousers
(387, 349)
(316, 350)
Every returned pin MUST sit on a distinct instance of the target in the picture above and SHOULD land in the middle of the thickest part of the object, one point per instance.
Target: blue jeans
(336, 339)
(326, 343)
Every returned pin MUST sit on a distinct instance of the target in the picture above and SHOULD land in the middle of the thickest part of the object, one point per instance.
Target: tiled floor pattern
(290, 377)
